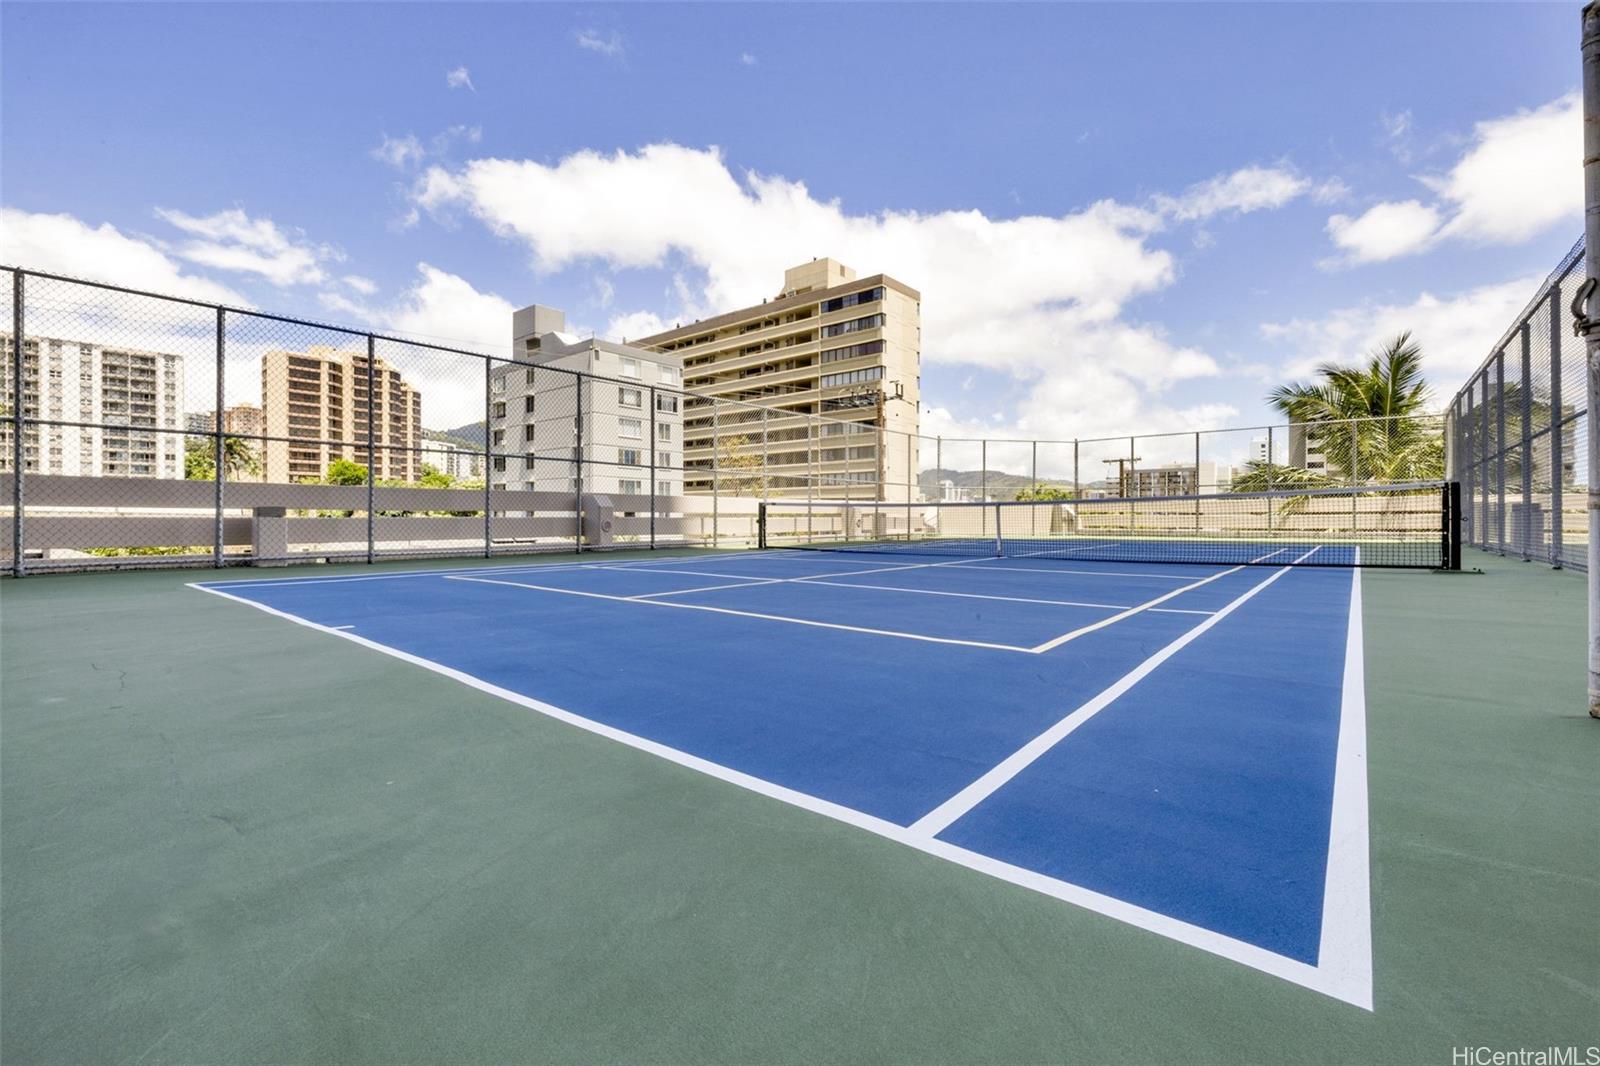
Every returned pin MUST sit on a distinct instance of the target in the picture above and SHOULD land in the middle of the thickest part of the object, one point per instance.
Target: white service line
(707, 588)
(1064, 570)
(747, 614)
(1130, 612)
(1002, 599)
(941, 817)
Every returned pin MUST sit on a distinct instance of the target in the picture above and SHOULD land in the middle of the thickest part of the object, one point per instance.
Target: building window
(629, 487)
(852, 377)
(499, 463)
(854, 351)
(527, 405)
(664, 431)
(499, 409)
(630, 367)
(664, 488)
(628, 456)
(527, 434)
(630, 429)
(499, 437)
(630, 397)
(866, 296)
(853, 326)
(669, 375)
(668, 404)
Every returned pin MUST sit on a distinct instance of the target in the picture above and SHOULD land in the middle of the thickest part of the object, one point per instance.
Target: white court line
(747, 614)
(1179, 576)
(508, 568)
(980, 596)
(1345, 951)
(1130, 612)
(341, 627)
(818, 579)
(1350, 985)
(707, 588)
(940, 818)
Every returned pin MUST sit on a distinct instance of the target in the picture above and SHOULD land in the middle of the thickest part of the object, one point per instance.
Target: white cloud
(1385, 231)
(62, 244)
(459, 78)
(748, 59)
(609, 45)
(232, 240)
(1455, 331)
(1039, 298)
(400, 152)
(364, 286)
(1249, 189)
(1520, 176)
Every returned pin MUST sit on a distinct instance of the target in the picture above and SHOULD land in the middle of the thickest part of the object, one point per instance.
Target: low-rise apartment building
(616, 407)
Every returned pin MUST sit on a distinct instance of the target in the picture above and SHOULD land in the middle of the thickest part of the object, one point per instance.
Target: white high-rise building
(538, 413)
(127, 403)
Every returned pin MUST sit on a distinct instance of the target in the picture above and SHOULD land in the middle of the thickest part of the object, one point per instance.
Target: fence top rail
(1372, 489)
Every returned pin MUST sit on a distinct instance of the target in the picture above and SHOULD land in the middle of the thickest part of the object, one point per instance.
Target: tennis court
(1100, 733)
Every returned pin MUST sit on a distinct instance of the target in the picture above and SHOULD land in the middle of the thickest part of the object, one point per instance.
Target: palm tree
(1365, 419)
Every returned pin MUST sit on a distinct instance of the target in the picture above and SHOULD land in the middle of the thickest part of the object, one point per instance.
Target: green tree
(1046, 492)
(345, 472)
(1264, 477)
(740, 470)
(1364, 419)
(238, 458)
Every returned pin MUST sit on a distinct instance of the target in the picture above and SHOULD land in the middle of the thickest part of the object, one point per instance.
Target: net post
(999, 543)
(1452, 525)
(372, 455)
(1591, 200)
(219, 445)
(1556, 480)
(19, 424)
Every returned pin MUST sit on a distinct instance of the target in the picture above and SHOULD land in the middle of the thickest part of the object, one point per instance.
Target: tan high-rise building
(830, 344)
(319, 397)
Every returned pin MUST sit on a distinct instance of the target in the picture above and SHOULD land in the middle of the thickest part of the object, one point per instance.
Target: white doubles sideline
(1344, 969)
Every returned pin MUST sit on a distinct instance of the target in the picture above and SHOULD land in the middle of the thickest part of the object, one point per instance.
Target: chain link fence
(145, 430)
(1517, 437)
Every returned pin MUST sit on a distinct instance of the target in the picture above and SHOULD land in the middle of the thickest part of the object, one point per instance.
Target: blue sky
(1122, 217)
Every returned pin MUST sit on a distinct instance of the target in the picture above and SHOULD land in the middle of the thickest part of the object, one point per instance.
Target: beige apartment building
(829, 344)
(319, 398)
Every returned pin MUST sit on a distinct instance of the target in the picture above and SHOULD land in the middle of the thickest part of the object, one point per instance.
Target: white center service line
(941, 817)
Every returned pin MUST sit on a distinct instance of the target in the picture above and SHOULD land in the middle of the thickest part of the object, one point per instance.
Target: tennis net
(1412, 525)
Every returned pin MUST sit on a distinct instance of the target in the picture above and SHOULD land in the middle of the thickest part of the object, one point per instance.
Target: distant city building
(536, 413)
(829, 344)
(950, 492)
(1305, 451)
(1177, 479)
(319, 398)
(128, 402)
(241, 420)
(452, 457)
(1259, 452)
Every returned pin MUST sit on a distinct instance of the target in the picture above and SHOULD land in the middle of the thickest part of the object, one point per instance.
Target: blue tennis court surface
(1180, 747)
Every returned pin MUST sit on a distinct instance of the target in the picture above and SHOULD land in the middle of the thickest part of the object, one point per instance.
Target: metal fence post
(653, 402)
(19, 425)
(716, 478)
(488, 456)
(1557, 459)
(1197, 482)
(1077, 486)
(372, 456)
(1525, 528)
(577, 466)
(1271, 459)
(219, 443)
(983, 471)
(1500, 447)
(1484, 484)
